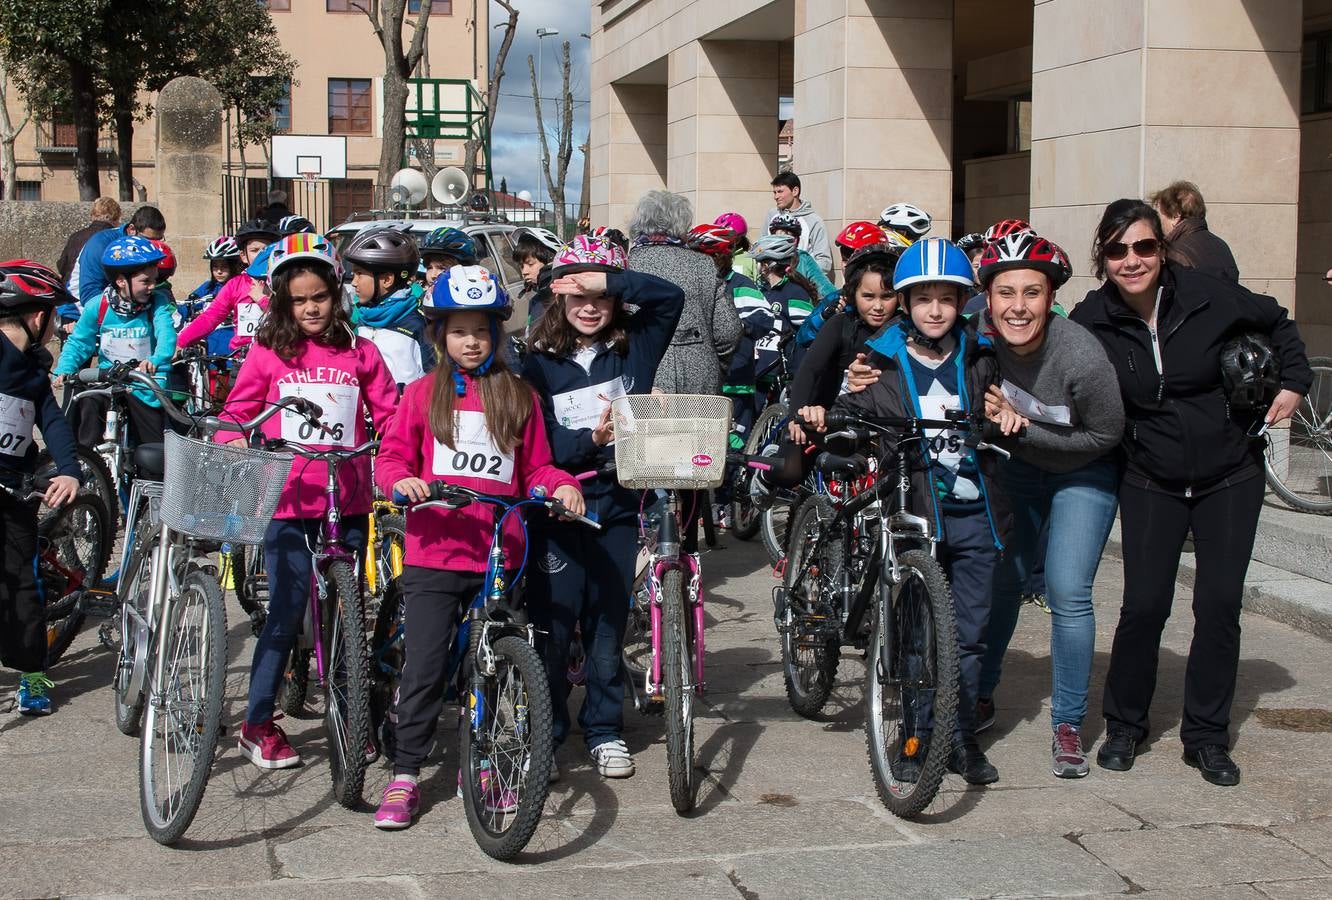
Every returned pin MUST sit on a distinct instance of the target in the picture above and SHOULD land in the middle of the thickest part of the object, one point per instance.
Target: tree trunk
(395, 126)
(8, 135)
(124, 119)
(84, 108)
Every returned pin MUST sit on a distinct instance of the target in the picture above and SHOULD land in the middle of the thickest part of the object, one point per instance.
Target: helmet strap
(920, 338)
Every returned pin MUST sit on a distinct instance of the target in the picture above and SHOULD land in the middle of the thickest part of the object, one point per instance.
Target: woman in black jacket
(1190, 462)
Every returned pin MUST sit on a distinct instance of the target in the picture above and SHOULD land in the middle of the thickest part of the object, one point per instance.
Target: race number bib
(248, 317)
(16, 418)
(474, 453)
(946, 445)
(583, 408)
(1034, 410)
(123, 348)
(340, 404)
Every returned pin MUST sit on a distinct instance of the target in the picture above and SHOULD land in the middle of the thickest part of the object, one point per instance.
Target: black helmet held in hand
(1249, 372)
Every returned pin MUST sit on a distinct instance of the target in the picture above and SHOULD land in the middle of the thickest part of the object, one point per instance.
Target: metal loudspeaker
(450, 185)
(408, 187)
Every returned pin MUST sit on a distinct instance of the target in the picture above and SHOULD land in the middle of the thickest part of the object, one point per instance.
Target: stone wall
(38, 230)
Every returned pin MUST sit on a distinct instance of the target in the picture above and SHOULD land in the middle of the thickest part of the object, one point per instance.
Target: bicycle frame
(664, 558)
(329, 548)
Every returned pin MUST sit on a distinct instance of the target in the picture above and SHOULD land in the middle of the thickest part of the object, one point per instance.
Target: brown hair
(1117, 218)
(553, 334)
(1180, 200)
(506, 401)
(279, 331)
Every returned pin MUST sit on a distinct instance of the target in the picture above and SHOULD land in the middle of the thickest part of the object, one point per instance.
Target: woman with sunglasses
(1190, 461)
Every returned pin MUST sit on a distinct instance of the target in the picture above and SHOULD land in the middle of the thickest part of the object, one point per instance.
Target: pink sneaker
(401, 801)
(494, 798)
(266, 746)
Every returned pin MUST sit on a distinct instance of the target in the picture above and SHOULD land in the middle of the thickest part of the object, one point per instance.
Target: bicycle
(170, 675)
(907, 631)
(763, 438)
(493, 662)
(1298, 460)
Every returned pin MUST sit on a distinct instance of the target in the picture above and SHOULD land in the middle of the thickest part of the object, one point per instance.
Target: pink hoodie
(234, 293)
(345, 383)
(459, 540)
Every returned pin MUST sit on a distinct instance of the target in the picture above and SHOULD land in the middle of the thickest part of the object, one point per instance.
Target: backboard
(297, 155)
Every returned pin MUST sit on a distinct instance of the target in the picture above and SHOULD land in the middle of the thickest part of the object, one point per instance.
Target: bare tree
(9, 133)
(555, 179)
(473, 147)
(386, 18)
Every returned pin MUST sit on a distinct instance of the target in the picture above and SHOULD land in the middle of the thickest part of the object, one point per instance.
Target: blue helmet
(131, 252)
(466, 287)
(450, 242)
(259, 265)
(932, 259)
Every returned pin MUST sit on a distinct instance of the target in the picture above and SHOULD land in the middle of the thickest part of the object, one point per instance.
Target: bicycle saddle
(833, 465)
(150, 461)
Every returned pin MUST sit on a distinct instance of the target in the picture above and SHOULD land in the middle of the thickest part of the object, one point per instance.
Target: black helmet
(383, 249)
(256, 230)
(1249, 372)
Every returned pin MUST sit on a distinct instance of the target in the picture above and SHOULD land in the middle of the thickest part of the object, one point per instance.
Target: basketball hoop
(310, 176)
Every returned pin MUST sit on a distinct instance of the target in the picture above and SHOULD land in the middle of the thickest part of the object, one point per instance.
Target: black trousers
(22, 609)
(88, 418)
(1154, 525)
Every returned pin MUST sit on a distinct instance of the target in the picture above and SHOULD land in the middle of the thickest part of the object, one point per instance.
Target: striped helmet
(932, 259)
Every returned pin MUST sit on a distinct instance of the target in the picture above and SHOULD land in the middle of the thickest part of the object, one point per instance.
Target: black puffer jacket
(1179, 434)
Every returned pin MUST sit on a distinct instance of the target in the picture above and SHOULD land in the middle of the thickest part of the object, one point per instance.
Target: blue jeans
(1079, 507)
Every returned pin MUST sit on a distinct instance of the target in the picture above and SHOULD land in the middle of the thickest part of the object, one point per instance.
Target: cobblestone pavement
(787, 807)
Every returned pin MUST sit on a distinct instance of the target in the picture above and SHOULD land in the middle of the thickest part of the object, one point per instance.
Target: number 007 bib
(474, 454)
(340, 404)
(16, 420)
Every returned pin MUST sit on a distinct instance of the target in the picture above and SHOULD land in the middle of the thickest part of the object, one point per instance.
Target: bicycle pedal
(100, 604)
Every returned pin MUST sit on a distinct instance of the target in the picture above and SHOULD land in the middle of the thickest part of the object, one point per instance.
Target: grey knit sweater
(709, 327)
(1071, 378)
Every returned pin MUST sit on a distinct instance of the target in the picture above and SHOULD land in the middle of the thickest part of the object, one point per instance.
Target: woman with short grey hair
(709, 327)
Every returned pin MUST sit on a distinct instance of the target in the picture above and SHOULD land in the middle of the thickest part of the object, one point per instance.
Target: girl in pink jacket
(471, 413)
(307, 348)
(241, 303)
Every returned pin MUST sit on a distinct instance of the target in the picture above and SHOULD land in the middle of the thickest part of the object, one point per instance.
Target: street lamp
(541, 34)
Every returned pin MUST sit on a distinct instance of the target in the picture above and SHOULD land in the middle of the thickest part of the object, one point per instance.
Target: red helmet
(166, 266)
(24, 283)
(1006, 227)
(860, 234)
(1025, 250)
(714, 240)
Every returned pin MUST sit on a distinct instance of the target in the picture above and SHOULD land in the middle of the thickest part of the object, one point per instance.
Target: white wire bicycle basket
(220, 492)
(671, 440)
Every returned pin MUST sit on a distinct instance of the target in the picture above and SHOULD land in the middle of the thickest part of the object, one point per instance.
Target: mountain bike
(506, 740)
(764, 436)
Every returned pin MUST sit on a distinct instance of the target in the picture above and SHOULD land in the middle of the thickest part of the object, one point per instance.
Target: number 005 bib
(340, 404)
(474, 454)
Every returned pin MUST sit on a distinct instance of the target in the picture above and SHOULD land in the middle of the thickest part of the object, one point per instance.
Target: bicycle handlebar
(329, 455)
(980, 434)
(455, 496)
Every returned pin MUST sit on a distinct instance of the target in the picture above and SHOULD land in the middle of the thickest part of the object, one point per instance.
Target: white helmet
(774, 248)
(543, 236)
(910, 221)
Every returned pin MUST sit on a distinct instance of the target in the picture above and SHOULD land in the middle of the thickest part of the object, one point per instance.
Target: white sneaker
(613, 760)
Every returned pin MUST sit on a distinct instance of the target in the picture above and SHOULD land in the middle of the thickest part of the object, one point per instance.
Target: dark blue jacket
(24, 378)
(88, 279)
(557, 379)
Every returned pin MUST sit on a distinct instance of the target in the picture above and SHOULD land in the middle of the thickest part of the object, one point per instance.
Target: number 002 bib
(340, 404)
(474, 454)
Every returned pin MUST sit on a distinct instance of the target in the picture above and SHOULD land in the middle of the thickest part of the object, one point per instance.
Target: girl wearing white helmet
(472, 422)
(305, 348)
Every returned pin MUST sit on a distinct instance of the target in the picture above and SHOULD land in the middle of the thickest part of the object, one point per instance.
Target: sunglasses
(1117, 250)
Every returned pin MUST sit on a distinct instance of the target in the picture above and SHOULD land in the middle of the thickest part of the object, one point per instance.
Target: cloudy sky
(516, 153)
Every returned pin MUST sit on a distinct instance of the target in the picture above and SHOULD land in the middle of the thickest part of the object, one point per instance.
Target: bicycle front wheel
(809, 623)
(506, 750)
(128, 684)
(911, 690)
(183, 715)
(678, 685)
(745, 517)
(346, 685)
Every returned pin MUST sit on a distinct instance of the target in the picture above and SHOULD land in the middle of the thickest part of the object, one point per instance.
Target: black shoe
(984, 713)
(1118, 750)
(969, 762)
(1215, 764)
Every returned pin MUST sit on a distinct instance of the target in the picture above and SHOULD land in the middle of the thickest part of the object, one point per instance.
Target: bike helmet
(887, 251)
(295, 247)
(588, 254)
(1006, 227)
(166, 266)
(466, 288)
(295, 225)
(130, 253)
(383, 249)
(906, 219)
(452, 242)
(25, 284)
(859, 234)
(786, 222)
(1249, 372)
(779, 248)
(733, 221)
(969, 242)
(545, 237)
(256, 230)
(713, 240)
(1025, 250)
(224, 247)
(932, 259)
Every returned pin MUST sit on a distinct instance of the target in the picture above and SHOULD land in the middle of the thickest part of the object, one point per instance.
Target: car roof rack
(446, 213)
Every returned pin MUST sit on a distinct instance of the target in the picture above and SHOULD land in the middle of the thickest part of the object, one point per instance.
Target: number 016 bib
(340, 404)
(474, 454)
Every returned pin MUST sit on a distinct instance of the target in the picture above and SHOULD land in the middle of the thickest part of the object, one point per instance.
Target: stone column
(1127, 97)
(874, 107)
(628, 148)
(721, 144)
(189, 171)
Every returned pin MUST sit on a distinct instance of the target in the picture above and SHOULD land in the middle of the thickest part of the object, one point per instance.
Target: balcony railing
(58, 137)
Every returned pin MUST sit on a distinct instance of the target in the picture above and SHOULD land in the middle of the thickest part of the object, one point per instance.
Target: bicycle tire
(198, 627)
(133, 590)
(346, 685)
(387, 654)
(390, 547)
(677, 677)
(64, 609)
(809, 665)
(95, 480)
(526, 760)
(921, 605)
(746, 519)
(294, 688)
(1311, 425)
(245, 563)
